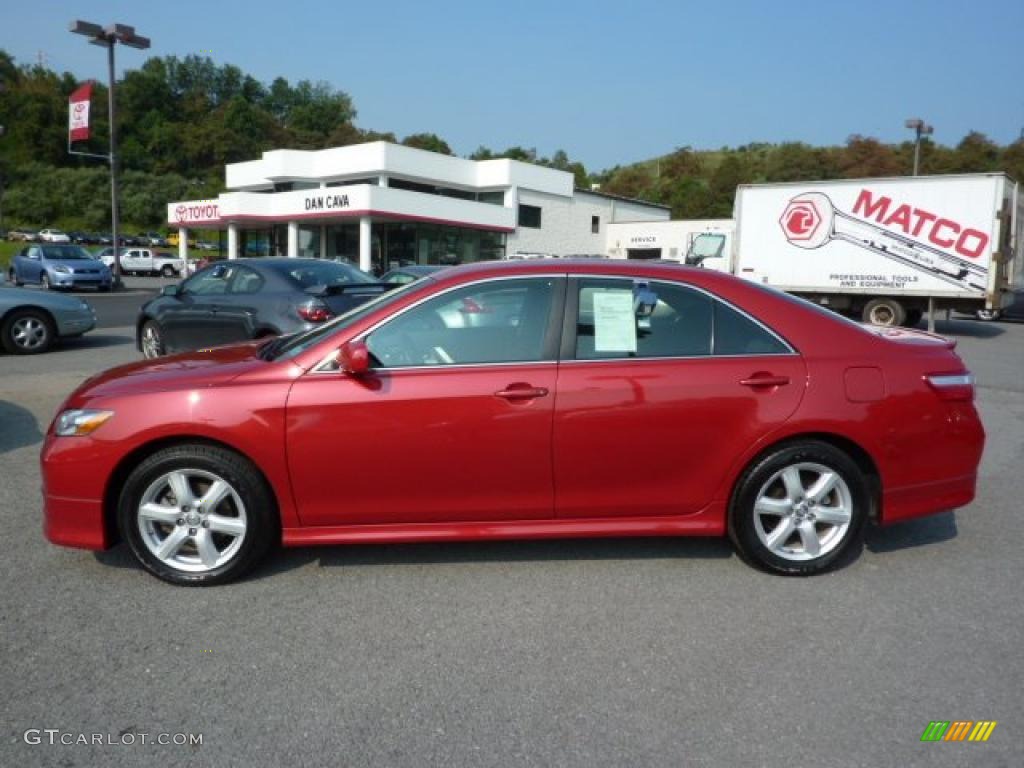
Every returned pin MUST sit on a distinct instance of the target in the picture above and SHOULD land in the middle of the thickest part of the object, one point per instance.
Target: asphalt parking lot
(589, 653)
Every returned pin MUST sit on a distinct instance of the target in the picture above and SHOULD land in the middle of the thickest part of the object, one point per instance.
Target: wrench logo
(801, 219)
(810, 220)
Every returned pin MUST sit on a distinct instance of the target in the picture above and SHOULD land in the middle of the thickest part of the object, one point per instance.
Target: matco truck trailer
(884, 249)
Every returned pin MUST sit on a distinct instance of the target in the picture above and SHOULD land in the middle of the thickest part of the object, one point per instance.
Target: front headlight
(61, 268)
(79, 422)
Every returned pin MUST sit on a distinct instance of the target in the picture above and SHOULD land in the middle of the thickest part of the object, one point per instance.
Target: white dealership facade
(382, 205)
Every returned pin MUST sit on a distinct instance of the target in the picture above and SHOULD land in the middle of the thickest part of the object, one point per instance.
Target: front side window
(498, 321)
(209, 282)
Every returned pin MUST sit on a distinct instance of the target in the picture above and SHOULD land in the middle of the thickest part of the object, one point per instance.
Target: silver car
(31, 321)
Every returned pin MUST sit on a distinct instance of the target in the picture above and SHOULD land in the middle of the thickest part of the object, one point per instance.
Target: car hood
(75, 264)
(191, 370)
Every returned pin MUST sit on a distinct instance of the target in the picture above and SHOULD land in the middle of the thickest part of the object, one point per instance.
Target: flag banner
(78, 113)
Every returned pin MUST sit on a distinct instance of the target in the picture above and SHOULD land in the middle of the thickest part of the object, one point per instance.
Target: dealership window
(595, 224)
(529, 216)
(499, 321)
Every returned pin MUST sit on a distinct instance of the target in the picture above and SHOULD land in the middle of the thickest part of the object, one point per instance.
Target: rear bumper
(907, 503)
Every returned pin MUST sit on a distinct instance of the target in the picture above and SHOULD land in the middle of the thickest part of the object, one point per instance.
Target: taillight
(314, 312)
(952, 386)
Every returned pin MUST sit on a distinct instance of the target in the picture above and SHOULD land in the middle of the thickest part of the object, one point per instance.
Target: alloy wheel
(803, 512)
(192, 520)
(29, 333)
(151, 342)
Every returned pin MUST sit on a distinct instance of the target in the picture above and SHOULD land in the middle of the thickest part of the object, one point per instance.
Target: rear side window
(620, 318)
(736, 334)
(612, 322)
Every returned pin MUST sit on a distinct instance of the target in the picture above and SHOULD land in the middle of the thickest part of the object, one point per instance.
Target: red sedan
(522, 400)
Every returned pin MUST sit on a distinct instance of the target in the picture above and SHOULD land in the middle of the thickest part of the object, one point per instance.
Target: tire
(988, 315)
(44, 282)
(763, 509)
(913, 317)
(884, 312)
(185, 543)
(151, 340)
(168, 271)
(27, 332)
(13, 275)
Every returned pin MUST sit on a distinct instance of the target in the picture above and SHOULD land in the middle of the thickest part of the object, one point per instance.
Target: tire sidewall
(259, 510)
(741, 512)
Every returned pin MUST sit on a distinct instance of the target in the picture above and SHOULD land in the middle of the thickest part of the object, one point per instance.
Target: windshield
(293, 345)
(329, 273)
(66, 252)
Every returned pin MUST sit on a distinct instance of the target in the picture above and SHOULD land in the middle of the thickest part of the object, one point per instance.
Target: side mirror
(170, 290)
(354, 358)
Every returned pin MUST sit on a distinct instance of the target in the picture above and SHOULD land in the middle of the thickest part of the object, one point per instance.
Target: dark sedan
(248, 299)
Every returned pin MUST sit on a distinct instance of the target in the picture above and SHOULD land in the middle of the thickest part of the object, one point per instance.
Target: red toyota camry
(522, 400)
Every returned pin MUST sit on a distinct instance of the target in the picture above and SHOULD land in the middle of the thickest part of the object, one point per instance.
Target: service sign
(932, 236)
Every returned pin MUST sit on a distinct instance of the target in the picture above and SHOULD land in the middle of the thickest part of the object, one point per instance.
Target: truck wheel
(988, 315)
(167, 271)
(884, 312)
(913, 317)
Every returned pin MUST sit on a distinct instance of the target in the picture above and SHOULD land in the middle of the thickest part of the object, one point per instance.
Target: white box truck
(884, 250)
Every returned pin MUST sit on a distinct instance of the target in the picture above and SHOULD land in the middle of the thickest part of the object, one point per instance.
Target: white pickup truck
(143, 261)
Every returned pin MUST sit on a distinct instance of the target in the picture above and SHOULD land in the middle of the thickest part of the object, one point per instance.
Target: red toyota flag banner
(78, 113)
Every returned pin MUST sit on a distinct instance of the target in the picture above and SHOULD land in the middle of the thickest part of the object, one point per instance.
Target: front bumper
(73, 493)
(65, 280)
(75, 323)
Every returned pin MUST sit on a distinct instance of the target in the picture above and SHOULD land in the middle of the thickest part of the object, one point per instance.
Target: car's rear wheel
(797, 510)
(197, 515)
(884, 312)
(27, 332)
(152, 340)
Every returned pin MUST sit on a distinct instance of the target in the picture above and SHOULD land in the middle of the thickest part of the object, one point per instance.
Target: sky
(609, 82)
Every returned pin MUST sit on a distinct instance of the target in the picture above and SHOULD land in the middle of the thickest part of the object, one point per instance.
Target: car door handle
(765, 380)
(521, 392)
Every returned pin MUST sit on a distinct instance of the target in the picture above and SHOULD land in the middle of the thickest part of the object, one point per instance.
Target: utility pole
(107, 37)
(920, 128)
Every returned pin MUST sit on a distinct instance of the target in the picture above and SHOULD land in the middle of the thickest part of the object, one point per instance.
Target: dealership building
(382, 205)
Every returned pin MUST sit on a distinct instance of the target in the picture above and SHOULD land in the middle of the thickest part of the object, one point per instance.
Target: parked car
(58, 266)
(78, 238)
(242, 299)
(21, 234)
(206, 245)
(621, 399)
(1014, 311)
(154, 239)
(408, 274)
(53, 236)
(31, 322)
(143, 261)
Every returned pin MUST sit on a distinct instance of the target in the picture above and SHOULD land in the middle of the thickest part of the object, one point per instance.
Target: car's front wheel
(168, 271)
(44, 282)
(152, 340)
(27, 332)
(797, 510)
(197, 515)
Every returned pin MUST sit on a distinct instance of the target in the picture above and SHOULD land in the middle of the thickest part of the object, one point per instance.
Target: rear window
(309, 273)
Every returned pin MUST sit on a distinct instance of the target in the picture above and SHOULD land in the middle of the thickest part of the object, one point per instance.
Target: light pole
(920, 128)
(107, 37)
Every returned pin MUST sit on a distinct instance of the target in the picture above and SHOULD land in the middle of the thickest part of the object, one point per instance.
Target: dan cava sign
(78, 113)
